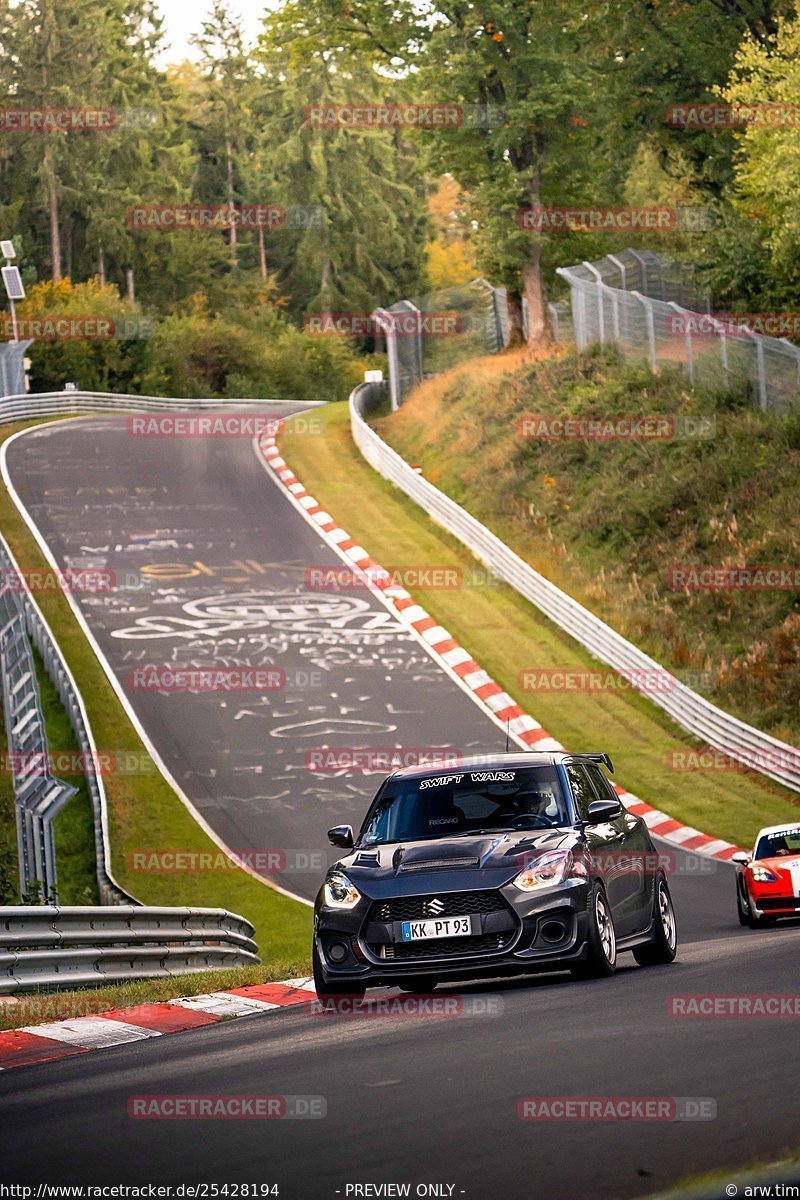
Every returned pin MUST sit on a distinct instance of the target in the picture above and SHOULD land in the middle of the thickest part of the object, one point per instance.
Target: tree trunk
(262, 253)
(130, 284)
(534, 294)
(52, 200)
(101, 267)
(231, 208)
(532, 269)
(516, 327)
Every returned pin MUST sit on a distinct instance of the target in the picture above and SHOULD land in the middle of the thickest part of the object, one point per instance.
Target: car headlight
(763, 875)
(339, 892)
(551, 868)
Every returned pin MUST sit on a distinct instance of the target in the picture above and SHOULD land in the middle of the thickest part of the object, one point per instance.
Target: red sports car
(768, 881)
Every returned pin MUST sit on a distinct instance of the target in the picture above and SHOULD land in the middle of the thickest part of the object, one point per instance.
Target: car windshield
(783, 843)
(468, 801)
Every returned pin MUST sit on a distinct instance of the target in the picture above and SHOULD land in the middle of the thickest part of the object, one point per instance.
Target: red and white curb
(457, 661)
(62, 1039)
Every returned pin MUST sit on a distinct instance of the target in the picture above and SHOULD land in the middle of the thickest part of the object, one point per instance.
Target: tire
(741, 911)
(329, 987)
(421, 986)
(664, 946)
(601, 960)
(756, 922)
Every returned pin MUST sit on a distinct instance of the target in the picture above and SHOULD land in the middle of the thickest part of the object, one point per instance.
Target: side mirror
(342, 836)
(741, 856)
(601, 811)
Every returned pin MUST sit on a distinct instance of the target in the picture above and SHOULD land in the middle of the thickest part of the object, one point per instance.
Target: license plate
(439, 927)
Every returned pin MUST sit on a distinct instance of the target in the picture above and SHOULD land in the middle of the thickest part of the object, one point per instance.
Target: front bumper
(519, 932)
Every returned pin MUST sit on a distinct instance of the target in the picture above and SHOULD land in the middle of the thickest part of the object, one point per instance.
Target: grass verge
(504, 633)
(144, 811)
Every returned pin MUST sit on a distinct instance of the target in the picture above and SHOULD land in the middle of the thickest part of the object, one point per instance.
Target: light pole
(13, 283)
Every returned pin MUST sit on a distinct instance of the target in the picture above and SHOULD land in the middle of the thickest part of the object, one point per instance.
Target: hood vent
(366, 860)
(439, 864)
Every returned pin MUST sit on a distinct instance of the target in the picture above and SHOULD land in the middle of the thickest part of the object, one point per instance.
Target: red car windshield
(783, 843)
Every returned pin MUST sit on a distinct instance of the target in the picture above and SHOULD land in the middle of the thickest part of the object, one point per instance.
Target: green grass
(144, 811)
(506, 634)
(35, 1008)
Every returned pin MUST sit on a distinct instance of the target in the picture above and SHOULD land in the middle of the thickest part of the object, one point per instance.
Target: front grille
(779, 902)
(448, 948)
(456, 904)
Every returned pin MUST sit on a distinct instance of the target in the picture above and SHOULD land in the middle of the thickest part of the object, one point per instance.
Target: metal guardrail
(29, 623)
(50, 946)
(39, 796)
(56, 404)
(691, 711)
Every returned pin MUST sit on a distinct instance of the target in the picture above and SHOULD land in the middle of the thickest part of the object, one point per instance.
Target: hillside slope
(614, 522)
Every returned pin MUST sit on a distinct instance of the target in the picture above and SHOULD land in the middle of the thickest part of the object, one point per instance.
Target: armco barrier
(48, 946)
(39, 632)
(59, 404)
(692, 712)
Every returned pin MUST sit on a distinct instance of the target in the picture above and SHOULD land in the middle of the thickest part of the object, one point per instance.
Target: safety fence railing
(39, 796)
(653, 311)
(746, 745)
(12, 367)
(55, 947)
(427, 335)
(56, 404)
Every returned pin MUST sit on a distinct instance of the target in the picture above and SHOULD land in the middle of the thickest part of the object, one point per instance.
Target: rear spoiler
(600, 758)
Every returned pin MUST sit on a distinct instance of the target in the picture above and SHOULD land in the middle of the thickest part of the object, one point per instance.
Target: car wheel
(421, 986)
(332, 987)
(753, 921)
(741, 911)
(664, 945)
(601, 943)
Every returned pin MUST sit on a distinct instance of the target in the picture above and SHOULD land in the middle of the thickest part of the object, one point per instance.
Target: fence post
(763, 399)
(651, 329)
(688, 340)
